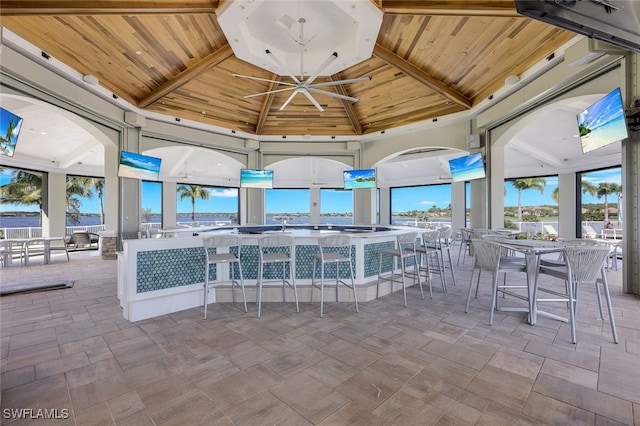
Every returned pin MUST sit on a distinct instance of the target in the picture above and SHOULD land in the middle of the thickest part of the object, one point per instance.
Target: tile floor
(71, 352)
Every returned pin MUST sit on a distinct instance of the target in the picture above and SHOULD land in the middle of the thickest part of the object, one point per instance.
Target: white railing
(532, 227)
(36, 231)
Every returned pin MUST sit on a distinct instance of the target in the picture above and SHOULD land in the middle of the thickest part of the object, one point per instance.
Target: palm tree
(84, 187)
(538, 184)
(24, 188)
(193, 192)
(604, 190)
(586, 188)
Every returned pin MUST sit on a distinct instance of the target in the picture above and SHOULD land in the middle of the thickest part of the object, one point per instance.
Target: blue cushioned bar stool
(223, 249)
(276, 249)
(334, 250)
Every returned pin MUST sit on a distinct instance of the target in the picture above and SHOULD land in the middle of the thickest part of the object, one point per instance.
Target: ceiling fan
(300, 85)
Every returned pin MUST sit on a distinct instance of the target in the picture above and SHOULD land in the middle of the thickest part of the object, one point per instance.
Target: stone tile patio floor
(71, 351)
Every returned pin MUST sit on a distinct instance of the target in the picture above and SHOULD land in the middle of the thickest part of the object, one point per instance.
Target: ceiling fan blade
(269, 92)
(339, 82)
(313, 101)
(281, 65)
(288, 100)
(335, 95)
(263, 79)
(325, 64)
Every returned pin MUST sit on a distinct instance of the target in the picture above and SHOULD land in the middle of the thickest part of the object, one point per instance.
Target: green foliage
(530, 218)
(509, 225)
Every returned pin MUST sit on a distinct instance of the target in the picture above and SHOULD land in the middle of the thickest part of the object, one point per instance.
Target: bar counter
(157, 276)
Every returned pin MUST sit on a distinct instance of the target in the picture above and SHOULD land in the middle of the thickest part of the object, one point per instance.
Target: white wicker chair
(583, 264)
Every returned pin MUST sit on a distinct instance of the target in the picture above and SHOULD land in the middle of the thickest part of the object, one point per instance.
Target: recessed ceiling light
(138, 52)
(90, 79)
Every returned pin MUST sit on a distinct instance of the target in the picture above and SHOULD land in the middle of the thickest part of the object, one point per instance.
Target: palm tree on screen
(539, 184)
(193, 192)
(604, 190)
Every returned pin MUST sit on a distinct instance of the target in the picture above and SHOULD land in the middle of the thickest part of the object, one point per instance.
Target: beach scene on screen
(256, 178)
(603, 122)
(467, 168)
(359, 178)
(138, 166)
(10, 125)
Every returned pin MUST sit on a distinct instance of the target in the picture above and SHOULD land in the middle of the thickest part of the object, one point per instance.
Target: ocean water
(33, 221)
(613, 131)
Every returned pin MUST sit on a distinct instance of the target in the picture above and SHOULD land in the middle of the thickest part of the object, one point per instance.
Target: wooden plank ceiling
(431, 58)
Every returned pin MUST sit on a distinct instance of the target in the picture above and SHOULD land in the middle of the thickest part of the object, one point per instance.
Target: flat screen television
(603, 122)
(138, 166)
(10, 125)
(354, 179)
(467, 168)
(253, 178)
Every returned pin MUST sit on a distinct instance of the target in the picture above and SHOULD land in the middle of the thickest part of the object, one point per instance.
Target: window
(85, 201)
(336, 207)
(531, 204)
(151, 195)
(291, 204)
(600, 199)
(421, 205)
(199, 205)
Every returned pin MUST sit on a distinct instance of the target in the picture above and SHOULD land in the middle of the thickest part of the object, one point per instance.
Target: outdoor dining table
(533, 250)
(24, 248)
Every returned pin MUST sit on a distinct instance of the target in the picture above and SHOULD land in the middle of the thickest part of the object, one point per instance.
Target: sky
(334, 201)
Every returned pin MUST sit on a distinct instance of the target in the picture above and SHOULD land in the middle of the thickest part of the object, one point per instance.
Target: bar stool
(465, 243)
(404, 251)
(219, 250)
(334, 249)
(430, 260)
(276, 249)
(444, 245)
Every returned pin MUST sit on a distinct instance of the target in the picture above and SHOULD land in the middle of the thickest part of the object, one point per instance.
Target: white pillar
(479, 204)
(567, 206)
(364, 206)
(385, 203)
(458, 205)
(497, 187)
(314, 208)
(54, 204)
(111, 187)
(169, 204)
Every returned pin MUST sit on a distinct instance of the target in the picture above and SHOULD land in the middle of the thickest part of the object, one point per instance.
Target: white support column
(111, 185)
(497, 186)
(385, 202)
(458, 205)
(631, 213)
(479, 203)
(314, 208)
(169, 204)
(54, 204)
(567, 206)
(364, 206)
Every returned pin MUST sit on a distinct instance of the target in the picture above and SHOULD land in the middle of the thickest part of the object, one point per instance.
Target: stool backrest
(586, 262)
(222, 240)
(431, 237)
(334, 240)
(487, 254)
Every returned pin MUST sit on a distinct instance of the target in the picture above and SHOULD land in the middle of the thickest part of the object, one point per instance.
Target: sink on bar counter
(158, 276)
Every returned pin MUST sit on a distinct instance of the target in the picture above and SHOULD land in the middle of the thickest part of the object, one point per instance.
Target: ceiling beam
(106, 7)
(535, 153)
(348, 106)
(266, 105)
(411, 70)
(492, 8)
(220, 55)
